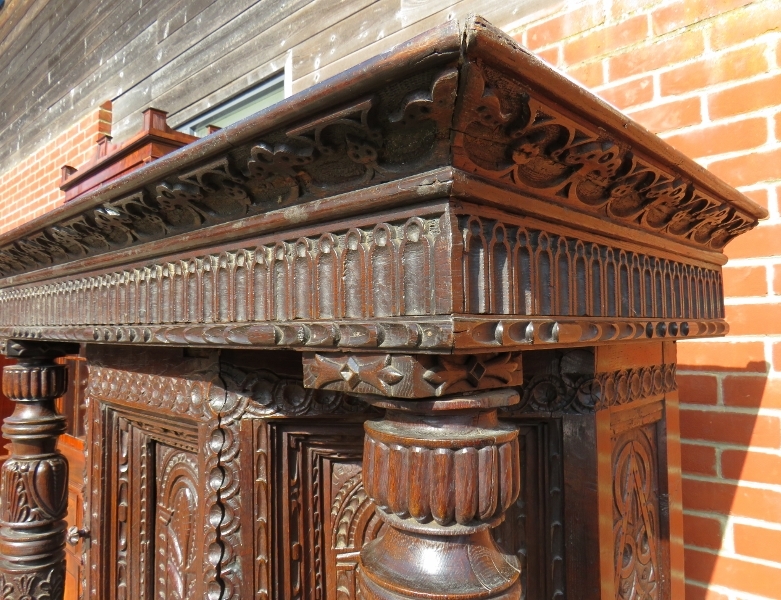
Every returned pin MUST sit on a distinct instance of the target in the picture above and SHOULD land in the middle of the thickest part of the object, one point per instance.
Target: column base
(405, 565)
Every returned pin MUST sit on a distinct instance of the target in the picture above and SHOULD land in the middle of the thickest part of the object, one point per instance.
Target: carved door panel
(146, 541)
(176, 537)
(322, 514)
(637, 522)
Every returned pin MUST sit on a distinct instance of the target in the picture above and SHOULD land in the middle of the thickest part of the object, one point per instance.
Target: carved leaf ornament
(518, 138)
(384, 136)
(636, 528)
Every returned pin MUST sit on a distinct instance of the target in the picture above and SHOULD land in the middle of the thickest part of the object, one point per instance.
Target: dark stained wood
(581, 443)
(34, 487)
(441, 474)
(408, 335)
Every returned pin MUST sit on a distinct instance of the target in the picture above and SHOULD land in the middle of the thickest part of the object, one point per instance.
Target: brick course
(30, 188)
(706, 76)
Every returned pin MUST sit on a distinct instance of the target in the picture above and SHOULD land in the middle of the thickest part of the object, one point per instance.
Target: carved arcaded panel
(510, 133)
(397, 131)
(391, 269)
(219, 398)
(411, 376)
(513, 269)
(147, 522)
(176, 549)
(636, 517)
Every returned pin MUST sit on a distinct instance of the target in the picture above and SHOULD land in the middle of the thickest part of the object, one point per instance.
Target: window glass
(260, 97)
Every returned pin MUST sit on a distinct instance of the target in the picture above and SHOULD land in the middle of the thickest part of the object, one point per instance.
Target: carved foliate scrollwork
(636, 518)
(37, 490)
(255, 393)
(389, 135)
(29, 587)
(510, 133)
(566, 387)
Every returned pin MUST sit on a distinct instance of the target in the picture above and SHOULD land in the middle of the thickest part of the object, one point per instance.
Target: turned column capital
(439, 466)
(447, 467)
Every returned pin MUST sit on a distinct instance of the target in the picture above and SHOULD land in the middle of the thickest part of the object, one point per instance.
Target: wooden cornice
(491, 150)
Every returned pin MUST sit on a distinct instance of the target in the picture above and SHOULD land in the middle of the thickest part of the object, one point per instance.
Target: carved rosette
(441, 473)
(33, 481)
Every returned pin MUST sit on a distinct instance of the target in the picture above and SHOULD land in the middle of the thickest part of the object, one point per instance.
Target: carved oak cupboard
(409, 334)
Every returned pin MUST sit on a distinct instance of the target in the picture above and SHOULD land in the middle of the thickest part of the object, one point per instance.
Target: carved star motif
(377, 372)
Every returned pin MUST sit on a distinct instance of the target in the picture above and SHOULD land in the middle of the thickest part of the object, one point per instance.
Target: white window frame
(208, 117)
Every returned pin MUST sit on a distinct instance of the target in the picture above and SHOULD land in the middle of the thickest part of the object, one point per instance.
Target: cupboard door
(145, 481)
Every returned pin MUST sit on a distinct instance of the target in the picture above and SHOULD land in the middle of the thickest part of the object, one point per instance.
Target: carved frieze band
(411, 376)
(444, 335)
(510, 133)
(400, 130)
(382, 271)
(513, 269)
(575, 393)
(374, 287)
(255, 393)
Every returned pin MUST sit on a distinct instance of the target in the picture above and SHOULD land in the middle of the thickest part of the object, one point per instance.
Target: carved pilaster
(33, 481)
(442, 473)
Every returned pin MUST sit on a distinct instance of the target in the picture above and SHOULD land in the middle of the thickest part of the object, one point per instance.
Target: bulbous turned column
(34, 480)
(442, 473)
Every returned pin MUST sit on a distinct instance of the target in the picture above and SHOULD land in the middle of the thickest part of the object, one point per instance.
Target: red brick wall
(29, 188)
(704, 74)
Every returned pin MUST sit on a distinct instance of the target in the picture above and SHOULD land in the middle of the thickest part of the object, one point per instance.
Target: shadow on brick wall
(728, 476)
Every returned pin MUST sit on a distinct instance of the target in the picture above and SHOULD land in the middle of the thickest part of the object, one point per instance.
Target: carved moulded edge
(445, 335)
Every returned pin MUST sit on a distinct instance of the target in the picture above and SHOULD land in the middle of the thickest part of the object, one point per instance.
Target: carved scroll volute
(441, 473)
(33, 482)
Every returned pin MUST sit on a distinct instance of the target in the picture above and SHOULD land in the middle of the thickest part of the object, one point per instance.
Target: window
(267, 93)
